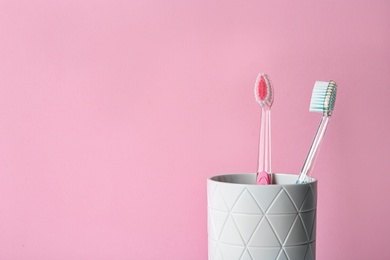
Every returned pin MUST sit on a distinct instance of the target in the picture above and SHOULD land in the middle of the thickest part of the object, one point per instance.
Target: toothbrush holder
(247, 221)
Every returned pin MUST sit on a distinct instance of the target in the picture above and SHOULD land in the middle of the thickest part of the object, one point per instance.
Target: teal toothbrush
(322, 100)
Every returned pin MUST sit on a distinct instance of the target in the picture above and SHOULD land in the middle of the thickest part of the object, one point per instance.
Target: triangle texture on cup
(282, 224)
(264, 252)
(282, 205)
(264, 197)
(264, 235)
(297, 193)
(218, 254)
(246, 256)
(246, 224)
(296, 252)
(231, 193)
(218, 220)
(310, 201)
(230, 234)
(282, 256)
(297, 234)
(246, 204)
(230, 252)
(217, 201)
(308, 220)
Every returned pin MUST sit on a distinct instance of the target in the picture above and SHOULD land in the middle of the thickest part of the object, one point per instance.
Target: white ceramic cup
(261, 222)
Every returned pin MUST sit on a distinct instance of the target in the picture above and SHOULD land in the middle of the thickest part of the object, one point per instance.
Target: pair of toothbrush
(264, 95)
(323, 100)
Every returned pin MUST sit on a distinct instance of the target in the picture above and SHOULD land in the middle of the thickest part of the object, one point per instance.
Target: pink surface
(114, 113)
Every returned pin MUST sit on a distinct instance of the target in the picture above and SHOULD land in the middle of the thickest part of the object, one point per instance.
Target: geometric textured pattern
(250, 222)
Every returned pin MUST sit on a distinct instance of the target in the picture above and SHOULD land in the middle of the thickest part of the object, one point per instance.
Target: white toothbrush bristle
(323, 97)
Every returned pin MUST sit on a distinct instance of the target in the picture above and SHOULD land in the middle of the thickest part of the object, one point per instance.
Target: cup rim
(248, 174)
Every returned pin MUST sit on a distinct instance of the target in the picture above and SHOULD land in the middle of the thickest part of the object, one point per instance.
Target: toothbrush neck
(265, 141)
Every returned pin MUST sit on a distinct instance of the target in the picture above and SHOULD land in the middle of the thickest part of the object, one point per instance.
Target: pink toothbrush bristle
(262, 89)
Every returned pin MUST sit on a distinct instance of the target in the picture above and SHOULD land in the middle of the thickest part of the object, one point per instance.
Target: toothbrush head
(323, 97)
(264, 92)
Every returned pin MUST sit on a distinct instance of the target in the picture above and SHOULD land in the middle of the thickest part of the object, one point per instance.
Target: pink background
(114, 113)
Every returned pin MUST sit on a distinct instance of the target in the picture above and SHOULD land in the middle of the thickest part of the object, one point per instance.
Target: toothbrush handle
(264, 162)
(314, 149)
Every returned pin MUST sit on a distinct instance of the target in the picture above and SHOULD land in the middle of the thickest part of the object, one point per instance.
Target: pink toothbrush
(264, 95)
